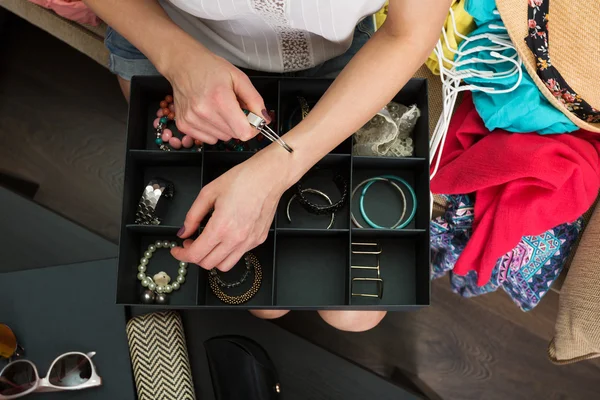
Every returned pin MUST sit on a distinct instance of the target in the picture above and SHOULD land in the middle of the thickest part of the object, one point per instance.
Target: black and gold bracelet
(303, 109)
(216, 283)
(317, 209)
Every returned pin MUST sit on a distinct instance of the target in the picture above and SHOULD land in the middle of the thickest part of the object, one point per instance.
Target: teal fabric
(482, 11)
(523, 110)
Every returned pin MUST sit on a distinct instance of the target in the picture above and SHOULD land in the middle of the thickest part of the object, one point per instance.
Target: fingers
(204, 112)
(184, 253)
(234, 116)
(192, 125)
(248, 95)
(226, 257)
(222, 257)
(199, 209)
(197, 250)
(248, 98)
(200, 248)
(231, 260)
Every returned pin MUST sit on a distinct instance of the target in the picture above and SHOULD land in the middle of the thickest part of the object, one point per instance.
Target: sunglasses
(70, 371)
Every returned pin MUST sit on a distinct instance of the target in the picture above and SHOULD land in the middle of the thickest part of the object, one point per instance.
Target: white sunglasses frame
(43, 385)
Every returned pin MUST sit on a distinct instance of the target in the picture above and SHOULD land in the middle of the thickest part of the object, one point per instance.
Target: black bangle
(317, 209)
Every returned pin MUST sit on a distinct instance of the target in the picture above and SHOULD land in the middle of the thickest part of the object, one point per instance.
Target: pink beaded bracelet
(164, 136)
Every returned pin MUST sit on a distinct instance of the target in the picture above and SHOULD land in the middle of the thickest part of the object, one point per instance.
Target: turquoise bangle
(397, 179)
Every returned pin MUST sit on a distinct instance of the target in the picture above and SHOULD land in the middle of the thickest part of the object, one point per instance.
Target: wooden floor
(63, 124)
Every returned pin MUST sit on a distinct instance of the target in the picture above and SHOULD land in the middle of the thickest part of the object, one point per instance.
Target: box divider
(274, 283)
(349, 272)
(279, 120)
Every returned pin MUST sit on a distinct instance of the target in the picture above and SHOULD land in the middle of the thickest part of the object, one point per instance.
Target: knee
(269, 314)
(352, 321)
(125, 86)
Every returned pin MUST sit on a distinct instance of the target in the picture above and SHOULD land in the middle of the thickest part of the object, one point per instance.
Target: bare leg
(269, 314)
(352, 321)
(125, 87)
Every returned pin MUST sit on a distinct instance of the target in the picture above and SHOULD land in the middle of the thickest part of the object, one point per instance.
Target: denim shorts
(127, 61)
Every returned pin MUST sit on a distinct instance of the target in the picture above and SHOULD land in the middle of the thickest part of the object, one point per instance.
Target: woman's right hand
(209, 94)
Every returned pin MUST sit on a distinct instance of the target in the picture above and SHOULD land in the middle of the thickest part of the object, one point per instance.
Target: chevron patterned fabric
(161, 366)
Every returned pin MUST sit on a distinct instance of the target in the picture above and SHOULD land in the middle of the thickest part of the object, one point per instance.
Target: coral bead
(198, 142)
(175, 143)
(171, 116)
(167, 135)
(187, 142)
(166, 111)
(163, 104)
(169, 98)
(155, 123)
(159, 113)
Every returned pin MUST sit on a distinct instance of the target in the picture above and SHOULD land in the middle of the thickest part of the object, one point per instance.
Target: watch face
(8, 342)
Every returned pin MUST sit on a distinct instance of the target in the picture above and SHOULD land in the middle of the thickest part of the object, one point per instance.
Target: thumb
(249, 97)
(199, 209)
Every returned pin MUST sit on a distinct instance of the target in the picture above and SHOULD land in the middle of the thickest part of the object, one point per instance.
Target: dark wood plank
(63, 126)
(461, 349)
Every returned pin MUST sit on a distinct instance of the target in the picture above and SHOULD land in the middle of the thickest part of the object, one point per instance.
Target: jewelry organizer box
(304, 265)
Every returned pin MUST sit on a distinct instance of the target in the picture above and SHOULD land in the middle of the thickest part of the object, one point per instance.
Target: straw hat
(574, 47)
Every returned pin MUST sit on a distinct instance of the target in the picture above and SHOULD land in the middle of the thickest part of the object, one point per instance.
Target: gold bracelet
(303, 106)
(241, 299)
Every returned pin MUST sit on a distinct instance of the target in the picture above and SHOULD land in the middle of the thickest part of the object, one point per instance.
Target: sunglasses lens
(17, 378)
(71, 370)
(8, 342)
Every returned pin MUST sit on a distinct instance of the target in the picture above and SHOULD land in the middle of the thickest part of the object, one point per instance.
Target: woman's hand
(244, 200)
(209, 94)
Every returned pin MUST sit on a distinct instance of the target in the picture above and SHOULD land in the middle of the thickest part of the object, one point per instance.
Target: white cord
(451, 79)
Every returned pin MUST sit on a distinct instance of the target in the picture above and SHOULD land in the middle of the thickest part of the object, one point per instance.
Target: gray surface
(34, 237)
(305, 370)
(70, 308)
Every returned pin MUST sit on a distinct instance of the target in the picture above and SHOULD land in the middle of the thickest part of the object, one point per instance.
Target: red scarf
(524, 183)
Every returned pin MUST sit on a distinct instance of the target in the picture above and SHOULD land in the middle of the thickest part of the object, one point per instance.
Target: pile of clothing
(75, 10)
(520, 163)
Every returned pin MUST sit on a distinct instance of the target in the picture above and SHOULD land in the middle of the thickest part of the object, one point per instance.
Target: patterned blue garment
(525, 273)
(450, 233)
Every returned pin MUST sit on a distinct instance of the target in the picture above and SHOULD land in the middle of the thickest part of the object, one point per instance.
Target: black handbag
(241, 369)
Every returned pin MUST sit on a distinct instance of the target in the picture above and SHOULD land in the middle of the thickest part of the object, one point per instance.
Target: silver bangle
(314, 191)
(355, 222)
(154, 191)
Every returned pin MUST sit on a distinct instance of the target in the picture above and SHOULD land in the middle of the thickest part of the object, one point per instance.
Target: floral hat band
(538, 41)
(573, 49)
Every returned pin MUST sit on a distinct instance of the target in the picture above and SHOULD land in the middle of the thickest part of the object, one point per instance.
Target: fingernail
(180, 231)
(266, 115)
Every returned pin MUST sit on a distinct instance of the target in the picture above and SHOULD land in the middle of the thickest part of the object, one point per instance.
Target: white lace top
(272, 35)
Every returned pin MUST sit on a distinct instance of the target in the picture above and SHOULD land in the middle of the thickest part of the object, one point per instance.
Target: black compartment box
(304, 265)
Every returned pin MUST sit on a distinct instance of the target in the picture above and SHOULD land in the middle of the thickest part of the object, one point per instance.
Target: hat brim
(574, 47)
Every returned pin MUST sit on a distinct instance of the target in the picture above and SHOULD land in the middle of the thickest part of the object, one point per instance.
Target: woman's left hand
(244, 200)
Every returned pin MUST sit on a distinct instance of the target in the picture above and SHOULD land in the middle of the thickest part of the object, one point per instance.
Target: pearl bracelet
(159, 285)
